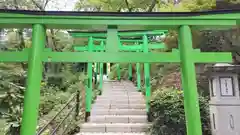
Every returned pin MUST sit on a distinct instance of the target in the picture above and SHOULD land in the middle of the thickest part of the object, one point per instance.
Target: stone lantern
(224, 99)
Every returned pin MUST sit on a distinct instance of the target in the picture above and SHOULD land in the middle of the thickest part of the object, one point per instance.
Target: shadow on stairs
(120, 110)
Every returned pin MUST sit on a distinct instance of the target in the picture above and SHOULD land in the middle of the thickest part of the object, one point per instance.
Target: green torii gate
(136, 47)
(139, 48)
(101, 36)
(101, 47)
(114, 22)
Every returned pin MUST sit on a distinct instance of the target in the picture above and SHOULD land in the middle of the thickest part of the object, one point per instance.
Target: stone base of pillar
(87, 114)
(149, 117)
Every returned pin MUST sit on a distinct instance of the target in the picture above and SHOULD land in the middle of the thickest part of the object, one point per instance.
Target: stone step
(118, 106)
(112, 98)
(130, 106)
(117, 102)
(123, 86)
(118, 112)
(120, 101)
(115, 93)
(119, 90)
(122, 93)
(121, 97)
(119, 119)
(118, 86)
(101, 102)
(116, 127)
(129, 85)
(109, 81)
(111, 133)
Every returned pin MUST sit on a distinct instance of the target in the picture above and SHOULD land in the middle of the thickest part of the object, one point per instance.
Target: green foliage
(2, 126)
(167, 107)
(170, 7)
(62, 98)
(165, 76)
(19, 4)
(96, 92)
(144, 5)
(54, 99)
(11, 97)
(116, 5)
(199, 5)
(233, 1)
(123, 70)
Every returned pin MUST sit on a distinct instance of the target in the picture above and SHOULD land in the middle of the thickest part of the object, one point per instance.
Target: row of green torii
(134, 44)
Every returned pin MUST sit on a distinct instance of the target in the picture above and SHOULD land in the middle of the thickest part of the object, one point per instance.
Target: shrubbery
(167, 108)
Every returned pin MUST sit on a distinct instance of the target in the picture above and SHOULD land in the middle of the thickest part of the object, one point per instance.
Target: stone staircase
(120, 110)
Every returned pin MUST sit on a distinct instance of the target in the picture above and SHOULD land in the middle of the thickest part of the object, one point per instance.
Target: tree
(144, 5)
(116, 5)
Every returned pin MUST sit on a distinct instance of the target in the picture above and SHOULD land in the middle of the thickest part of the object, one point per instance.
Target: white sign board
(226, 85)
(214, 86)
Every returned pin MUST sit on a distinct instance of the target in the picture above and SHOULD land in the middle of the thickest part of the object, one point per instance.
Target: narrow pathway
(120, 110)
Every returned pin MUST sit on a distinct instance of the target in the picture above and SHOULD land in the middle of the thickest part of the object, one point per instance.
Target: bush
(167, 109)
(50, 100)
(123, 70)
